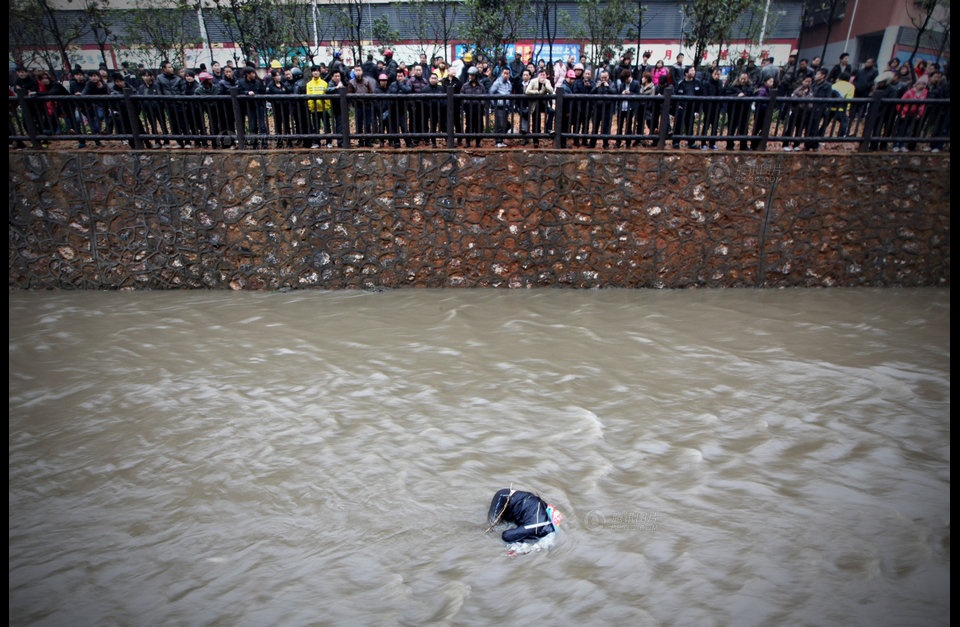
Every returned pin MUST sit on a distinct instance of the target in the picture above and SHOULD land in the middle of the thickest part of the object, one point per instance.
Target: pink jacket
(913, 94)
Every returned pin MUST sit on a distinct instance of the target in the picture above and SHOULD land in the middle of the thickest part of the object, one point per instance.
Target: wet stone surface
(365, 220)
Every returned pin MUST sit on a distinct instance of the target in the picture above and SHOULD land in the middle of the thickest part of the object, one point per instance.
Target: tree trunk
(920, 32)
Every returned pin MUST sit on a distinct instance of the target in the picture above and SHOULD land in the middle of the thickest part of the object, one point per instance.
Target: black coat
(527, 511)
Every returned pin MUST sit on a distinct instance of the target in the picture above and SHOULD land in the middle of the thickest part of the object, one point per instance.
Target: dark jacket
(633, 86)
(863, 81)
(170, 85)
(27, 84)
(278, 90)
(149, 90)
(76, 87)
(226, 84)
(605, 106)
(280, 107)
(363, 86)
(95, 90)
(527, 511)
(246, 86)
(689, 88)
(417, 83)
(470, 89)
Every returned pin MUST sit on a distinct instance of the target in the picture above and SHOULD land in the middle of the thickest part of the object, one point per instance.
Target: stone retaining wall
(509, 218)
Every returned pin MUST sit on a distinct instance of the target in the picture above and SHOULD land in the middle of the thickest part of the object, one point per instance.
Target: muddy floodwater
(724, 457)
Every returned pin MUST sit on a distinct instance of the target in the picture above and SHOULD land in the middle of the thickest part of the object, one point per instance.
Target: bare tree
(548, 16)
(422, 10)
(606, 25)
(713, 21)
(834, 12)
(98, 18)
(944, 24)
(37, 23)
(310, 25)
(384, 34)
(166, 32)
(444, 22)
(491, 24)
(353, 21)
(921, 13)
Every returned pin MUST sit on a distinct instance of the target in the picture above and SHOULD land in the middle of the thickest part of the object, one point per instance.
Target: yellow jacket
(317, 86)
(845, 89)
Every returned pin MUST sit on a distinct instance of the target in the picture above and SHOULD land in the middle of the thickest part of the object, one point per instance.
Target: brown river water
(724, 457)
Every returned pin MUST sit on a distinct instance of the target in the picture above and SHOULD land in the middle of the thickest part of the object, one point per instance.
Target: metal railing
(450, 119)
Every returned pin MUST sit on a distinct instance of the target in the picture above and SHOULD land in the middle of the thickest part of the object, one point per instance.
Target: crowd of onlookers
(612, 103)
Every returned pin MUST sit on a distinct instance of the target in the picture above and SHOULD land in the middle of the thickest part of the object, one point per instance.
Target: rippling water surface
(727, 457)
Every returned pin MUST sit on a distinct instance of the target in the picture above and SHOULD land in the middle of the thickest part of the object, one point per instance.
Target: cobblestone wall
(372, 219)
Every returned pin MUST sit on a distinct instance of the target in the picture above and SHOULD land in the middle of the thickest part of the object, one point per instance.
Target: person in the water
(534, 517)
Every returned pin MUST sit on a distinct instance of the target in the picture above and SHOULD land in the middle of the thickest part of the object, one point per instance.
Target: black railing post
(237, 118)
(28, 120)
(345, 117)
(558, 120)
(873, 114)
(450, 141)
(665, 117)
(767, 119)
(132, 115)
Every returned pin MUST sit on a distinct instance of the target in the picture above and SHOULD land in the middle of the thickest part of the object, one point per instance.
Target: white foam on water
(545, 543)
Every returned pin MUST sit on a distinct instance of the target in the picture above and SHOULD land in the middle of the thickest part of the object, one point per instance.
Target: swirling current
(723, 457)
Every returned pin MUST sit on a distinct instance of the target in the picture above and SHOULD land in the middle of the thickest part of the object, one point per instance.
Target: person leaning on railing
(397, 108)
(885, 115)
(382, 106)
(936, 119)
(452, 79)
(799, 114)
(909, 115)
(646, 121)
(823, 91)
(334, 85)
(418, 84)
(473, 107)
(319, 109)
(206, 87)
(194, 119)
(51, 111)
(713, 88)
(567, 114)
(582, 113)
(123, 122)
(627, 109)
(760, 114)
(689, 90)
(523, 105)
(172, 84)
(363, 109)
(94, 110)
(540, 86)
(501, 87)
(150, 108)
(739, 117)
(281, 107)
(436, 109)
(603, 107)
(251, 85)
